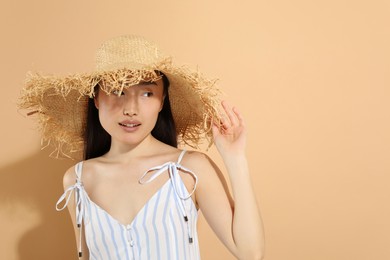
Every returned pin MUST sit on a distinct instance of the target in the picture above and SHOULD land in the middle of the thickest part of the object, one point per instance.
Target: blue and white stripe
(159, 230)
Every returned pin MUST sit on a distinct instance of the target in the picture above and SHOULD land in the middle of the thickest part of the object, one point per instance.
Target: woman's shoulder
(195, 156)
(197, 161)
(70, 176)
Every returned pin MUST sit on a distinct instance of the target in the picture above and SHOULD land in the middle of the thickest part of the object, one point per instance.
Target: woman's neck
(126, 152)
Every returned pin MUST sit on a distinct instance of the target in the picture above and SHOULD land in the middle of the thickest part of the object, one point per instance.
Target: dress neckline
(142, 209)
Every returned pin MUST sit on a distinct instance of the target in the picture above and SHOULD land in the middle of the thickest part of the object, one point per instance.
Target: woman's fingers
(232, 119)
(239, 116)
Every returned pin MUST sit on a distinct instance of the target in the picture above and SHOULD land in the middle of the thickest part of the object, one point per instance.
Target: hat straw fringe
(60, 102)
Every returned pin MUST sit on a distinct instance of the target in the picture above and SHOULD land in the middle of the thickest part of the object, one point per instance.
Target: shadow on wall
(36, 184)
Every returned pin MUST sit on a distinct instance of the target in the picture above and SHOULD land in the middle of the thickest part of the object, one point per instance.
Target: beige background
(312, 79)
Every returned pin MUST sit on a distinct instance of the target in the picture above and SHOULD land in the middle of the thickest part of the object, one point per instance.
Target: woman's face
(130, 116)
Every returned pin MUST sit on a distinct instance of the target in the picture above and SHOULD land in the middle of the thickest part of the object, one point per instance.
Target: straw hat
(60, 102)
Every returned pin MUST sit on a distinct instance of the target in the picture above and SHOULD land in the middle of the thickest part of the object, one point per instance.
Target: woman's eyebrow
(143, 83)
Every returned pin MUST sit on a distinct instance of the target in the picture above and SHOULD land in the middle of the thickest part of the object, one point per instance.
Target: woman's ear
(162, 103)
(95, 98)
(96, 101)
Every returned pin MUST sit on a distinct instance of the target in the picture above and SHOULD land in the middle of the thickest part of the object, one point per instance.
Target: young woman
(136, 195)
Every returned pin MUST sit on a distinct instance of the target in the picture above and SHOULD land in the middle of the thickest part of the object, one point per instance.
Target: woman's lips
(129, 126)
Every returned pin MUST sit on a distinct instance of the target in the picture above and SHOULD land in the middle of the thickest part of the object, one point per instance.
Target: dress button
(132, 243)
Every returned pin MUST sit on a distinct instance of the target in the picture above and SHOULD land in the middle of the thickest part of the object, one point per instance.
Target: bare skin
(111, 181)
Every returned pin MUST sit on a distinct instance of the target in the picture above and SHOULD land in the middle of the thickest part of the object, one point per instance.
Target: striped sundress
(165, 228)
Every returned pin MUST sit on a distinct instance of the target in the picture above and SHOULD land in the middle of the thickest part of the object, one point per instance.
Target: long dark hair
(98, 141)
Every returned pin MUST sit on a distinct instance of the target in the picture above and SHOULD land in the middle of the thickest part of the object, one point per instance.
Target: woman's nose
(130, 107)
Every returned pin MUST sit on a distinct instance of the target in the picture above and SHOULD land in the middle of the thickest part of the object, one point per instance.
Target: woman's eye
(148, 94)
(117, 92)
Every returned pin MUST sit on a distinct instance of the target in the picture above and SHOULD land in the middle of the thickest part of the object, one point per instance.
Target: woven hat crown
(128, 51)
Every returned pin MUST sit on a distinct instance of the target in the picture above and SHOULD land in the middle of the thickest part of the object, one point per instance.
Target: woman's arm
(236, 221)
(69, 180)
